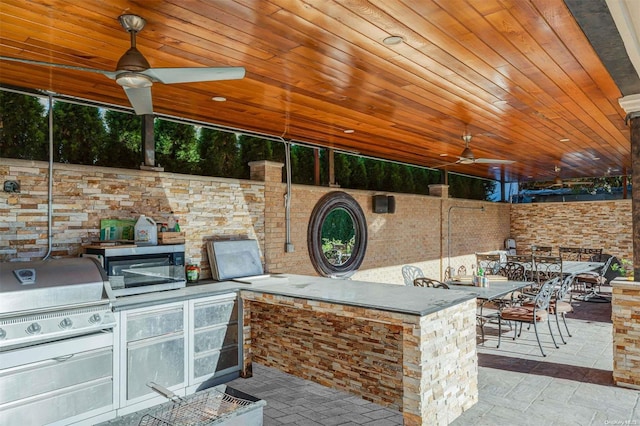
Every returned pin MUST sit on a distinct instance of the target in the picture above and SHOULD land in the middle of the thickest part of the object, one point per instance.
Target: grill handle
(164, 392)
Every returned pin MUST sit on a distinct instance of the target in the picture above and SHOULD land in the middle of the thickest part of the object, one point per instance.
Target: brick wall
(598, 224)
(625, 315)
(415, 234)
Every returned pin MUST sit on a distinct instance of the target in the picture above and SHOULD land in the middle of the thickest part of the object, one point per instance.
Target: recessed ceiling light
(219, 98)
(391, 40)
(443, 155)
(596, 158)
(501, 102)
(564, 140)
(348, 130)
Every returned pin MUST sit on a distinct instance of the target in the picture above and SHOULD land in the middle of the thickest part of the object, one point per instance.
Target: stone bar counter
(625, 316)
(409, 348)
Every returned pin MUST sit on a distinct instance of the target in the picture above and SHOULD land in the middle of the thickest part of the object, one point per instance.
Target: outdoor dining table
(570, 267)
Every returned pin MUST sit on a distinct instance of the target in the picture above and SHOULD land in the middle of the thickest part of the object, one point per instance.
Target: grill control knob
(66, 323)
(34, 328)
(95, 319)
(3, 334)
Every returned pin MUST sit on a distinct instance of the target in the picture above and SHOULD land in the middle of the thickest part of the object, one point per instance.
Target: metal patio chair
(532, 314)
(429, 282)
(410, 273)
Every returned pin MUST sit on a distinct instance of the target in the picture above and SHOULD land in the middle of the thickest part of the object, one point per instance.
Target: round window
(337, 235)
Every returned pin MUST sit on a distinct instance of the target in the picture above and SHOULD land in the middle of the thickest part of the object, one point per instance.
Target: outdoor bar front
(409, 348)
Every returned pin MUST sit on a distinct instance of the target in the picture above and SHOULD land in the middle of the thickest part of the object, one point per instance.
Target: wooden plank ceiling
(519, 76)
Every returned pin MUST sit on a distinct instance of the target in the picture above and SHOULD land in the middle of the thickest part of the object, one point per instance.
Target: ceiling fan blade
(110, 74)
(192, 75)
(492, 161)
(140, 99)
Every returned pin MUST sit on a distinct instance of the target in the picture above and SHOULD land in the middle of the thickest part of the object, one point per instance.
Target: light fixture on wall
(384, 204)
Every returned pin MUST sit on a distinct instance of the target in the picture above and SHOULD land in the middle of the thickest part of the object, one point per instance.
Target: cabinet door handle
(63, 358)
(164, 391)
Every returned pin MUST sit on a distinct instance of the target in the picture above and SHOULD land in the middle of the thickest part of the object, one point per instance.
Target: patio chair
(462, 270)
(429, 282)
(560, 305)
(531, 314)
(449, 273)
(570, 253)
(526, 260)
(410, 273)
(587, 285)
(489, 263)
(541, 250)
(590, 253)
(547, 267)
(513, 271)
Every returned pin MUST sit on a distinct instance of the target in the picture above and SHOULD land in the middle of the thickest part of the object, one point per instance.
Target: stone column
(266, 171)
(625, 301)
(631, 105)
(439, 190)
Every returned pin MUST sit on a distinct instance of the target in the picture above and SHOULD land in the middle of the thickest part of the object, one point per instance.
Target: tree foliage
(79, 134)
(124, 140)
(94, 136)
(23, 127)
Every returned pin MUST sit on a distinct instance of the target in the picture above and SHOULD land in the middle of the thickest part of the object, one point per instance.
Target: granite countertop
(387, 297)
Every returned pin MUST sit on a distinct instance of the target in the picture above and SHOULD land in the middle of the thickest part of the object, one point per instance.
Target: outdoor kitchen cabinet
(214, 337)
(153, 344)
(179, 345)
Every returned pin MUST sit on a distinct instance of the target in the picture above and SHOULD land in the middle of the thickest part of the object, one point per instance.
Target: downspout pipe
(50, 195)
(449, 229)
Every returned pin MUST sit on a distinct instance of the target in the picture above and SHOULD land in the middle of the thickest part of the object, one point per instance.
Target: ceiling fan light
(133, 80)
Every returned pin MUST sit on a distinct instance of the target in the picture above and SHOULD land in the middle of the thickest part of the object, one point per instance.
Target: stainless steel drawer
(154, 323)
(59, 405)
(214, 338)
(213, 313)
(211, 362)
(53, 374)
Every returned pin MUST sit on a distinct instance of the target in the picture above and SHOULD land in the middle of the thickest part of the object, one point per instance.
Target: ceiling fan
(136, 76)
(467, 156)
(559, 183)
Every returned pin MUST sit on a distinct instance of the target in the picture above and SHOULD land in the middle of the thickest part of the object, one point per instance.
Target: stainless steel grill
(49, 300)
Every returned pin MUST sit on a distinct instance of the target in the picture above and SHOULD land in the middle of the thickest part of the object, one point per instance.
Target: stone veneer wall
(424, 366)
(207, 207)
(605, 224)
(210, 208)
(625, 315)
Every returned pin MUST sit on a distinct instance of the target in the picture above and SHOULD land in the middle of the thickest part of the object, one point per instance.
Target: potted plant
(624, 267)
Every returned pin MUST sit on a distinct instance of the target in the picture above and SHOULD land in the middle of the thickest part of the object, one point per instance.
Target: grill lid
(53, 283)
